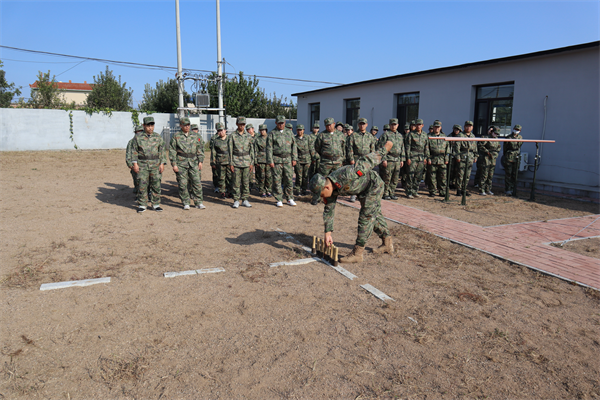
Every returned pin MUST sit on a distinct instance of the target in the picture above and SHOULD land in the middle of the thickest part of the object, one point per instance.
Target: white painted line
(295, 262)
(307, 249)
(85, 282)
(376, 292)
(180, 273)
(210, 270)
(342, 271)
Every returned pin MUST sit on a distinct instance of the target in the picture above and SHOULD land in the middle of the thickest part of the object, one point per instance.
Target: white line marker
(84, 282)
(210, 270)
(193, 272)
(376, 292)
(295, 262)
(342, 271)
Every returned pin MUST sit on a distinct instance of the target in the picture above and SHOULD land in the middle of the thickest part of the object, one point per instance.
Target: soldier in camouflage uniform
(393, 161)
(129, 155)
(339, 126)
(488, 153)
(405, 169)
(263, 171)
(250, 130)
(456, 132)
(305, 154)
(241, 161)
(512, 152)
(466, 155)
(149, 158)
(282, 156)
(219, 157)
(481, 160)
(316, 158)
(357, 179)
(415, 144)
(213, 167)
(349, 131)
(374, 131)
(359, 144)
(331, 147)
(186, 152)
(437, 154)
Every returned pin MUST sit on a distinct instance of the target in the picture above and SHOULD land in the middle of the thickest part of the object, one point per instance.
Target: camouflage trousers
(135, 181)
(301, 176)
(263, 178)
(390, 176)
(404, 176)
(370, 218)
(437, 178)
(454, 173)
(149, 179)
(510, 175)
(479, 171)
(487, 175)
(460, 174)
(215, 175)
(415, 175)
(224, 178)
(189, 181)
(326, 169)
(313, 169)
(283, 174)
(240, 183)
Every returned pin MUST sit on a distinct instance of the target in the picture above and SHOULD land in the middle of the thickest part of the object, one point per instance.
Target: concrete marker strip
(376, 292)
(210, 270)
(295, 262)
(84, 282)
(193, 272)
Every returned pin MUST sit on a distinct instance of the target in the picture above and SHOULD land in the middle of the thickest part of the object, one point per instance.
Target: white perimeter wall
(569, 79)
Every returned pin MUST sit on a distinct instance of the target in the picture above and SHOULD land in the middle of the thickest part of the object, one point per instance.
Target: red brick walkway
(526, 244)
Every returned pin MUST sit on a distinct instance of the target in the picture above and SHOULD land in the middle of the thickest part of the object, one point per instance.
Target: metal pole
(448, 178)
(179, 67)
(515, 183)
(465, 182)
(219, 63)
(535, 167)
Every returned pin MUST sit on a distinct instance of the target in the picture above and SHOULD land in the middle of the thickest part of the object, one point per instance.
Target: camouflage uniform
(512, 151)
(466, 152)
(331, 147)
(241, 158)
(149, 153)
(186, 151)
(359, 179)
(213, 167)
(397, 155)
(281, 151)
(263, 171)
(438, 153)
(305, 154)
(219, 156)
(415, 144)
(359, 144)
(453, 162)
(488, 153)
(129, 157)
(316, 158)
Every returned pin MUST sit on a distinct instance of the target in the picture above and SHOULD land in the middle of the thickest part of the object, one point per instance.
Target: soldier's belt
(301, 153)
(282, 155)
(241, 153)
(148, 158)
(332, 158)
(186, 155)
(219, 151)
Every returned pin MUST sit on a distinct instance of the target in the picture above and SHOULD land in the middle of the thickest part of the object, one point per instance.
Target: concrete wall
(569, 79)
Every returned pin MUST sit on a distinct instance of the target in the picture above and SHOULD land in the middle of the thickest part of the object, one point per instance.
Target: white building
(553, 94)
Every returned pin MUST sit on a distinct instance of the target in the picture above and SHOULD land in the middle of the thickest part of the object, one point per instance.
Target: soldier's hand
(384, 163)
(200, 166)
(401, 164)
(446, 162)
(272, 165)
(408, 162)
(251, 166)
(458, 160)
(161, 168)
(232, 168)
(352, 162)
(213, 165)
(175, 168)
(328, 239)
(136, 168)
(293, 163)
(388, 145)
(475, 160)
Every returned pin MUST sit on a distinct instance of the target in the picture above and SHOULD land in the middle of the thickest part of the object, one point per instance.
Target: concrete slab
(84, 282)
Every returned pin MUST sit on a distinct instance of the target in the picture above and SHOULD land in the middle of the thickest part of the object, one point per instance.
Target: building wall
(78, 96)
(569, 79)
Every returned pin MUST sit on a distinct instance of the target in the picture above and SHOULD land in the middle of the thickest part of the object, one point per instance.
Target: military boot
(386, 246)
(355, 256)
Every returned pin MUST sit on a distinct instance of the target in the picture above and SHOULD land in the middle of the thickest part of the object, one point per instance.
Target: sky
(323, 42)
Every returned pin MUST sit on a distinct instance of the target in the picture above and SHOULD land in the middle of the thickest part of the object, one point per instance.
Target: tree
(164, 98)
(7, 90)
(280, 106)
(47, 93)
(108, 93)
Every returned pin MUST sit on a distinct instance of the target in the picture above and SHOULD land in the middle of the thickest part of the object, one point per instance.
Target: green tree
(164, 98)
(241, 96)
(279, 106)
(7, 90)
(110, 93)
(46, 94)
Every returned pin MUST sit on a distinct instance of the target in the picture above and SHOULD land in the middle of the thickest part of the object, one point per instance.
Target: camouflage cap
(262, 127)
(338, 124)
(468, 123)
(406, 126)
(194, 126)
(138, 128)
(316, 185)
(248, 126)
(347, 126)
(430, 126)
(457, 126)
(289, 125)
(362, 120)
(299, 127)
(280, 118)
(437, 122)
(375, 128)
(240, 120)
(393, 121)
(184, 121)
(418, 121)
(148, 120)
(413, 122)
(386, 127)
(316, 125)
(329, 121)
(495, 129)
(220, 126)
(517, 127)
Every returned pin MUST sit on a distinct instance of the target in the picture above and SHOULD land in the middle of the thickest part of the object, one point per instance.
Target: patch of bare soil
(463, 324)
(585, 247)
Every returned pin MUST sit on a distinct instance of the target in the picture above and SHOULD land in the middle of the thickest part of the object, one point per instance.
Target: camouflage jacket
(398, 151)
(351, 180)
(149, 148)
(465, 150)
(331, 147)
(488, 151)
(219, 151)
(260, 149)
(186, 150)
(359, 144)
(241, 149)
(305, 149)
(312, 138)
(415, 144)
(129, 153)
(512, 149)
(437, 150)
(281, 147)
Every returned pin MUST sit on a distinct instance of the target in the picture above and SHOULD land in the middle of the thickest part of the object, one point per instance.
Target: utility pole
(219, 61)
(179, 67)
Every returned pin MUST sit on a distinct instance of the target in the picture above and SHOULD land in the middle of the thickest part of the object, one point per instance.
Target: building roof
(456, 67)
(81, 87)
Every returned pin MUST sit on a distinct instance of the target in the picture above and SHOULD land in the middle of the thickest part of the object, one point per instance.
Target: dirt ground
(585, 247)
(463, 324)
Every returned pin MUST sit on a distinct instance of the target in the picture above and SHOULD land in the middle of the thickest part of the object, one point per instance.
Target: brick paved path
(526, 244)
